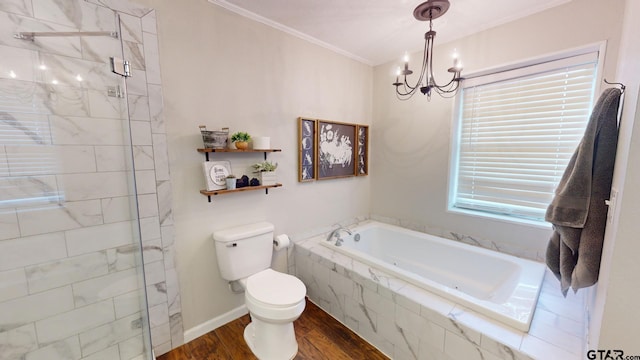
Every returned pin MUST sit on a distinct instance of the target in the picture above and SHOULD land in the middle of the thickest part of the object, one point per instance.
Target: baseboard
(210, 325)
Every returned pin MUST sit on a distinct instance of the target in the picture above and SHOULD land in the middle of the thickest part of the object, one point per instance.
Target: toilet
(274, 299)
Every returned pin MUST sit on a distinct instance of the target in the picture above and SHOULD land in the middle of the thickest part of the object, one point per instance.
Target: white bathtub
(500, 286)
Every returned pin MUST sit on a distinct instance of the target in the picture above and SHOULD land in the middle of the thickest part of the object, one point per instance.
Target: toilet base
(271, 341)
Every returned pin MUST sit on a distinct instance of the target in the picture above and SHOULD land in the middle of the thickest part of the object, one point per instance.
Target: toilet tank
(244, 250)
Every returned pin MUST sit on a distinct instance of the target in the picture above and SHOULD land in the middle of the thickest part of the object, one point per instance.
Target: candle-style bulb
(405, 58)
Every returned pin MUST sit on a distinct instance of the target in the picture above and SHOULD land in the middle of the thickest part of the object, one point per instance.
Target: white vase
(268, 178)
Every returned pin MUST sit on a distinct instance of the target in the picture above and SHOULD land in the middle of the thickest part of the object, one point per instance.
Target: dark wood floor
(319, 337)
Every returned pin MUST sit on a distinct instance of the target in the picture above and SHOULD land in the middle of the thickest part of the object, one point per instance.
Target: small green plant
(265, 166)
(240, 136)
(231, 176)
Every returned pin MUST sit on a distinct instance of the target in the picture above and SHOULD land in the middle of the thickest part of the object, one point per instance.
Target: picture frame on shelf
(215, 173)
(307, 148)
(362, 152)
(336, 144)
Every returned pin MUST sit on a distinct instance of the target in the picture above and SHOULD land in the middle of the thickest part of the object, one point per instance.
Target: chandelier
(429, 10)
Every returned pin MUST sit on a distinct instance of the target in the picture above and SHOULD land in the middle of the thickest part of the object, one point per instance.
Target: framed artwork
(337, 146)
(362, 151)
(215, 173)
(306, 149)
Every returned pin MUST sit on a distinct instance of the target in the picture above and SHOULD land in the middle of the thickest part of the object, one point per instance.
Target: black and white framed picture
(363, 150)
(215, 173)
(306, 149)
(336, 144)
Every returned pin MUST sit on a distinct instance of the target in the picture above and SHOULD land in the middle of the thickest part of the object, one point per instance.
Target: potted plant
(231, 182)
(267, 172)
(241, 140)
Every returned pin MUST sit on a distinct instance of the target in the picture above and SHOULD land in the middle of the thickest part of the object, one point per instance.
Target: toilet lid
(275, 288)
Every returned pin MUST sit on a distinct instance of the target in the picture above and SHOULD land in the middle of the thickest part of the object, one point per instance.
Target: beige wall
(220, 69)
(412, 138)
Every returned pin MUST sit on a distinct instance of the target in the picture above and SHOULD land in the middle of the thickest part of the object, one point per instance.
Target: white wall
(615, 315)
(412, 138)
(220, 69)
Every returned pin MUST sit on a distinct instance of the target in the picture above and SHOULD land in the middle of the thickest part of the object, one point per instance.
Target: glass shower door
(71, 269)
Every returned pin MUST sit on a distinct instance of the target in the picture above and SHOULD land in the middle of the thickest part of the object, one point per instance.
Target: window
(515, 133)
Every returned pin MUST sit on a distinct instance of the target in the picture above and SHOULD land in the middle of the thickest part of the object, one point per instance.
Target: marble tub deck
(406, 322)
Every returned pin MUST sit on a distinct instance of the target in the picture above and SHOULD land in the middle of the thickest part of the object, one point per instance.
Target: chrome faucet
(336, 233)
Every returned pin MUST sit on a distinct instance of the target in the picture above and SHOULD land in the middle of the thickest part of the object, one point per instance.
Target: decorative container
(214, 139)
(268, 178)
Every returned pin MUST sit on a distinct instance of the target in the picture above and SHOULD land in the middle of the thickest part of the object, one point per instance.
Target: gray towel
(578, 211)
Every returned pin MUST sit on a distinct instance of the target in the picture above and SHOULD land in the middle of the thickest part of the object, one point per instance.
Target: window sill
(501, 218)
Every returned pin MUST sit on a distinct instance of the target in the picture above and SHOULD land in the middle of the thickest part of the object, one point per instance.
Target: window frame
(494, 74)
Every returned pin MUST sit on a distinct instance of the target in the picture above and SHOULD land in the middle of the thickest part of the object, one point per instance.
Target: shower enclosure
(79, 196)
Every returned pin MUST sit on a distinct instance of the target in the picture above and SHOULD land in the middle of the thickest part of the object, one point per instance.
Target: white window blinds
(517, 131)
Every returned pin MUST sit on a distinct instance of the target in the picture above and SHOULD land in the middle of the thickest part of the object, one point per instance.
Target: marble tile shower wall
(69, 287)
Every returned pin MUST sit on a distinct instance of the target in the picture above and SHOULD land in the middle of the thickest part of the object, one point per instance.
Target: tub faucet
(336, 233)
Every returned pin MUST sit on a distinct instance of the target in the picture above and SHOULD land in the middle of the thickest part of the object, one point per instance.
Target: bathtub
(502, 287)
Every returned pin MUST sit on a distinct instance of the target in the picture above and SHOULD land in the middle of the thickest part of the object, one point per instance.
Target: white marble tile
(20, 311)
(158, 315)
(97, 238)
(128, 304)
(141, 133)
(123, 6)
(139, 110)
(132, 348)
(152, 250)
(24, 7)
(146, 182)
(173, 292)
(539, 349)
(160, 152)
(131, 27)
(66, 271)
(156, 109)
(9, 227)
(149, 22)
(117, 209)
(74, 322)
(100, 48)
(94, 185)
(109, 353)
(123, 257)
(30, 160)
(165, 206)
(31, 250)
(64, 100)
(137, 83)
(134, 53)
(111, 158)
(23, 191)
(161, 334)
(76, 73)
(490, 328)
(143, 157)
(150, 228)
(18, 342)
(13, 23)
(19, 128)
(152, 58)
(168, 235)
(177, 333)
(18, 64)
(157, 294)
(460, 348)
(74, 159)
(58, 217)
(4, 164)
(13, 284)
(104, 106)
(105, 287)
(154, 272)
(71, 130)
(67, 349)
(78, 14)
(110, 334)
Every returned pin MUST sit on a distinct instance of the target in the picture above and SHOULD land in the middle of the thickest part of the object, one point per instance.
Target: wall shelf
(210, 193)
(206, 151)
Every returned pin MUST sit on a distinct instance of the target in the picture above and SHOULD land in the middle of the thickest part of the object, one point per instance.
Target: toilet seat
(273, 289)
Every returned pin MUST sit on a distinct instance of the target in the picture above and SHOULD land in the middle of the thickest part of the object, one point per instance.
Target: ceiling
(377, 31)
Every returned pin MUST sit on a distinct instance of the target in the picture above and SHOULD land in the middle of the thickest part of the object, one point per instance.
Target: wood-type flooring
(319, 336)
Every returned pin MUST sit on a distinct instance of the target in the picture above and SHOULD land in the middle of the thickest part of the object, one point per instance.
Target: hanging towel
(578, 211)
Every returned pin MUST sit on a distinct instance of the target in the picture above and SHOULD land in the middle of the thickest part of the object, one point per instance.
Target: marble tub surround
(406, 322)
(68, 260)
